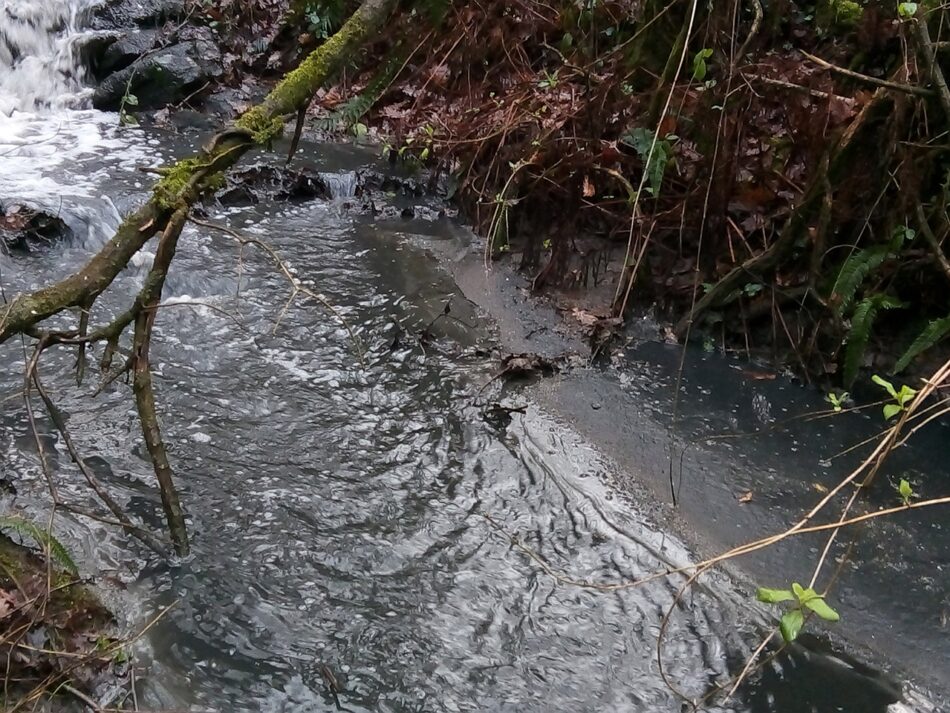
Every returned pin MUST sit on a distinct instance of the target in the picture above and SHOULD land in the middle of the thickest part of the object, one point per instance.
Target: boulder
(126, 14)
(162, 77)
(125, 50)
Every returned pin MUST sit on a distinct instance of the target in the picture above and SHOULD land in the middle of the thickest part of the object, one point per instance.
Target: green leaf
(852, 273)
(821, 608)
(861, 323)
(931, 334)
(699, 64)
(45, 540)
(791, 624)
(905, 395)
(130, 100)
(906, 492)
(773, 596)
(891, 410)
(907, 9)
(805, 595)
(884, 384)
(654, 154)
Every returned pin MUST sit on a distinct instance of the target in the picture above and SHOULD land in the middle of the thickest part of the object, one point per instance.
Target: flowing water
(339, 511)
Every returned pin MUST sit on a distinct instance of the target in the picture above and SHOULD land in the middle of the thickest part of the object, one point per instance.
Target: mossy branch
(186, 181)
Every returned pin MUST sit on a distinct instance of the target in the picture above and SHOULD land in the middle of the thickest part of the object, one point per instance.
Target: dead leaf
(819, 487)
(745, 498)
(584, 317)
(588, 190)
(759, 375)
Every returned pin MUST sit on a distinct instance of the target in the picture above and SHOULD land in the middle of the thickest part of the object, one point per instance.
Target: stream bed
(353, 505)
(338, 511)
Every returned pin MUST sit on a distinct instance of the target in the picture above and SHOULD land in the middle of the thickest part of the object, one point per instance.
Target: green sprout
(837, 400)
(901, 398)
(793, 619)
(905, 491)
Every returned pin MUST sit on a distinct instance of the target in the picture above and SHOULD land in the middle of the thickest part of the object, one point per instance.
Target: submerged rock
(25, 230)
(254, 183)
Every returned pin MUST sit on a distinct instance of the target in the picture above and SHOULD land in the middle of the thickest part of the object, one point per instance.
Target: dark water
(338, 512)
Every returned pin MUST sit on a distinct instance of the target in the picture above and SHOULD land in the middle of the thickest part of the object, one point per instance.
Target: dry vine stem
(868, 468)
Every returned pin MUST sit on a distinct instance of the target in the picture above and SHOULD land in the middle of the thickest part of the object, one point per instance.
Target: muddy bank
(56, 636)
(894, 590)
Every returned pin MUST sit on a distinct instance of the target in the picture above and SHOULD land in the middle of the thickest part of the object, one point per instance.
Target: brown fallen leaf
(588, 189)
(745, 498)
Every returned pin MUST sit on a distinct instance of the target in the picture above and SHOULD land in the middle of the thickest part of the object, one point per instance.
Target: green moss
(263, 127)
(169, 187)
(839, 13)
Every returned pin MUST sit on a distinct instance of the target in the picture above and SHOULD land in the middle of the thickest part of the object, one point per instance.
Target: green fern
(41, 537)
(854, 271)
(862, 321)
(861, 263)
(931, 334)
(353, 109)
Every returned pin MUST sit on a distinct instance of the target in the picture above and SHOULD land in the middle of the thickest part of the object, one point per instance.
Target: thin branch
(887, 83)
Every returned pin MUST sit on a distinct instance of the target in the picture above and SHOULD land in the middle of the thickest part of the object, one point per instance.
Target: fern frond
(931, 334)
(862, 322)
(854, 271)
(41, 537)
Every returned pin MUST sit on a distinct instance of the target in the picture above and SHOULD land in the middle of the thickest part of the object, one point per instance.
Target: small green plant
(906, 10)
(653, 151)
(905, 491)
(837, 401)
(803, 599)
(752, 289)
(41, 537)
(699, 64)
(901, 398)
(128, 100)
(324, 17)
(549, 80)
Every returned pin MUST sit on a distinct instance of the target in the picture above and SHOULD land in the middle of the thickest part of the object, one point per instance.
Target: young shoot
(837, 401)
(802, 599)
(901, 399)
(906, 492)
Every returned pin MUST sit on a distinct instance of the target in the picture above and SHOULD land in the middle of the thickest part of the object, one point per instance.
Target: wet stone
(25, 230)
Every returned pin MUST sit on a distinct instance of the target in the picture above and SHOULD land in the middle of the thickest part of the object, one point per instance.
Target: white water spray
(40, 63)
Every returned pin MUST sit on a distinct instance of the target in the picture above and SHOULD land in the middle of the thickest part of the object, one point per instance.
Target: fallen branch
(886, 83)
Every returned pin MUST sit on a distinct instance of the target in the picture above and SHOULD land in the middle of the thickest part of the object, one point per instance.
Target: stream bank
(747, 451)
(338, 502)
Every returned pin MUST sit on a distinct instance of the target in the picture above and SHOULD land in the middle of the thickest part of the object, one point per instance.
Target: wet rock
(125, 50)
(125, 14)
(249, 185)
(162, 77)
(25, 230)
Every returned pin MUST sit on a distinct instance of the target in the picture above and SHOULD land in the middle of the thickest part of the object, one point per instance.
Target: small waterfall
(40, 63)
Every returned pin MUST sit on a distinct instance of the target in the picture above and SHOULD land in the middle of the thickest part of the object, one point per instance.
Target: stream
(342, 512)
